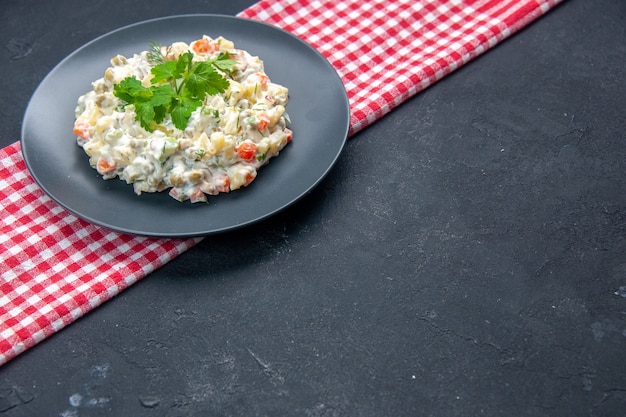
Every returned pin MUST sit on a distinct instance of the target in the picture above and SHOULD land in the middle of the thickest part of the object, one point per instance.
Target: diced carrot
(203, 46)
(82, 129)
(200, 46)
(260, 78)
(105, 166)
(175, 193)
(249, 178)
(197, 196)
(246, 150)
(264, 121)
(289, 134)
(222, 184)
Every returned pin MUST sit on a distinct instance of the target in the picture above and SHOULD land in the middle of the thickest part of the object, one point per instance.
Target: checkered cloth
(56, 267)
(388, 50)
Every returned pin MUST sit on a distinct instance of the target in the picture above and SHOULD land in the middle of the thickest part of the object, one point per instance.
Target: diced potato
(242, 176)
(224, 43)
(230, 121)
(234, 92)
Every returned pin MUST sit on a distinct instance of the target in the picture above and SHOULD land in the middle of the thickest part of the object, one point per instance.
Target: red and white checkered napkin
(55, 267)
(388, 50)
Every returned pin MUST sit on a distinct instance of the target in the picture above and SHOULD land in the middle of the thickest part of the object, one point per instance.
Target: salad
(196, 119)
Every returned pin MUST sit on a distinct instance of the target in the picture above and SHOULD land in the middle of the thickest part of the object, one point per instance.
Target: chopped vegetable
(246, 150)
(196, 119)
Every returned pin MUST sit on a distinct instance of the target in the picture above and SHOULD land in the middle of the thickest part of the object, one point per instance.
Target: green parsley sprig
(177, 88)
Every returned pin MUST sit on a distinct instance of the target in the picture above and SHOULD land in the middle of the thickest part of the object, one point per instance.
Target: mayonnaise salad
(225, 142)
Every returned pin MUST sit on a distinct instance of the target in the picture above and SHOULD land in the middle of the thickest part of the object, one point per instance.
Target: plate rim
(204, 231)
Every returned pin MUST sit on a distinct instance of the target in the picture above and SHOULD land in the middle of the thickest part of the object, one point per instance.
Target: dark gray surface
(465, 257)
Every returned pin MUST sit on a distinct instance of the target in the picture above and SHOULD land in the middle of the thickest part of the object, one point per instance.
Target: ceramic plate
(318, 108)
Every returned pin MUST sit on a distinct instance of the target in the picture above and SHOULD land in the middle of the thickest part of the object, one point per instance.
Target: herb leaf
(130, 89)
(224, 62)
(164, 71)
(177, 88)
(181, 110)
(155, 54)
(206, 80)
(149, 102)
(162, 95)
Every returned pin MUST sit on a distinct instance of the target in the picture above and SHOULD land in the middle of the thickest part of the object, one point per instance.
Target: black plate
(318, 108)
